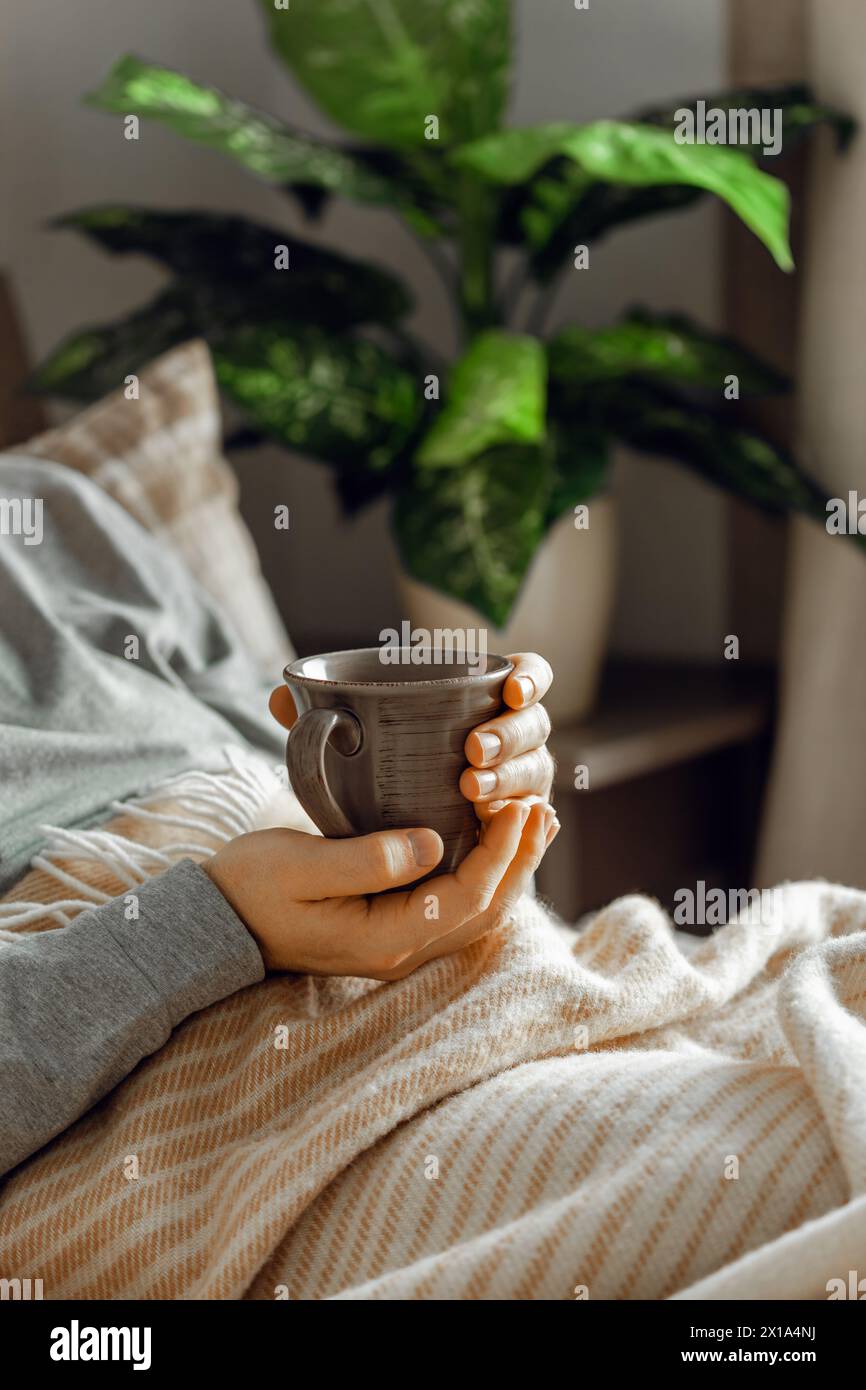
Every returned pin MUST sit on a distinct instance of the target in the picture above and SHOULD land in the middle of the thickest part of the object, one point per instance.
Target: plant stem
(512, 289)
(418, 350)
(536, 319)
(437, 258)
(477, 212)
(444, 269)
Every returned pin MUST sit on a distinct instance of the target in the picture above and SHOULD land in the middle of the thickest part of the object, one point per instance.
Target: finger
(512, 886)
(282, 706)
(519, 731)
(528, 682)
(518, 875)
(367, 863)
(486, 810)
(521, 776)
(406, 922)
(481, 872)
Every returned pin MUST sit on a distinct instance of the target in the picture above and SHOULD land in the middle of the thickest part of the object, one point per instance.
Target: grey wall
(333, 579)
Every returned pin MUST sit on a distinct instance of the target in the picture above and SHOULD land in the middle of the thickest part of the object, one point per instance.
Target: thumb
(282, 706)
(372, 863)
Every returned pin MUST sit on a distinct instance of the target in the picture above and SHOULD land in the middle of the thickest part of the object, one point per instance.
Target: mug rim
(501, 670)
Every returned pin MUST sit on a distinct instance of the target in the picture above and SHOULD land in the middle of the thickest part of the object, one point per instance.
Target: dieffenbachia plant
(319, 356)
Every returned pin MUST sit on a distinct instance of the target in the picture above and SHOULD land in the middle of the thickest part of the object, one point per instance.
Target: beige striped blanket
(544, 1115)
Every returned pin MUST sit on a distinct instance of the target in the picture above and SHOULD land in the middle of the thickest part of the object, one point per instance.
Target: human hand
(311, 904)
(508, 755)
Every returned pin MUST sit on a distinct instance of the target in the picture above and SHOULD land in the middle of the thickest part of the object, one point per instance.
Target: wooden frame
(767, 43)
(21, 416)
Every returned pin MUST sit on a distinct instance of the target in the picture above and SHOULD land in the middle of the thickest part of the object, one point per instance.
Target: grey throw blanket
(115, 669)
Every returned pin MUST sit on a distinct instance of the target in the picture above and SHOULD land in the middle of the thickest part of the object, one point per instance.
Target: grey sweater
(81, 724)
(81, 1006)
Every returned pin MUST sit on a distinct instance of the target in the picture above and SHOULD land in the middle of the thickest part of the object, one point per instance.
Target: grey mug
(380, 747)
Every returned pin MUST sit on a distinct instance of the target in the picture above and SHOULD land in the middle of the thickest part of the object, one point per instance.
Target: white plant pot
(563, 609)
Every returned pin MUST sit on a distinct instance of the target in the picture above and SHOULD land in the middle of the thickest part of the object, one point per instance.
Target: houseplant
(487, 457)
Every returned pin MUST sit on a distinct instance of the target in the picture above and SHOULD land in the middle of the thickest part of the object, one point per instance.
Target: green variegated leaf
(343, 400)
(496, 395)
(578, 462)
(620, 152)
(742, 462)
(560, 207)
(472, 531)
(240, 257)
(258, 142)
(513, 156)
(664, 347)
(735, 459)
(799, 113)
(382, 67)
(425, 179)
(95, 361)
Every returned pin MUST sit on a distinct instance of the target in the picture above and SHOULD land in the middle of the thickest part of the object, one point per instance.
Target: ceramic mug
(380, 747)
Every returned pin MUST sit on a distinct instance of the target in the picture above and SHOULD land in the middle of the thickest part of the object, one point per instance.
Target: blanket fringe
(219, 805)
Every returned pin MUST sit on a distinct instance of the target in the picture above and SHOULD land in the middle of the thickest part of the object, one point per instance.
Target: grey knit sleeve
(81, 1006)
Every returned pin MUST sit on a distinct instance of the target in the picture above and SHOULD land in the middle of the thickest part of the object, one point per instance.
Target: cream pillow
(160, 458)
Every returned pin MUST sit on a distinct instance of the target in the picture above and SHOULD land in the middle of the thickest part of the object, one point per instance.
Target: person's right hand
(307, 900)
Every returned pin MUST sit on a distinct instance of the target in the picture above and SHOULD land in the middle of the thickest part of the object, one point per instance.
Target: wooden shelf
(677, 757)
(653, 716)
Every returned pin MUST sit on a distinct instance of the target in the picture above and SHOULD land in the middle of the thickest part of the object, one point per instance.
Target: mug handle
(305, 761)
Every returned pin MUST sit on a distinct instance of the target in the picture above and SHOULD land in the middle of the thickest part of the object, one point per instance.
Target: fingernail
(491, 746)
(526, 686)
(486, 782)
(495, 805)
(426, 847)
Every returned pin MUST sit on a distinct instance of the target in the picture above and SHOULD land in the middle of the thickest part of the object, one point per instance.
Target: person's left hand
(508, 757)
